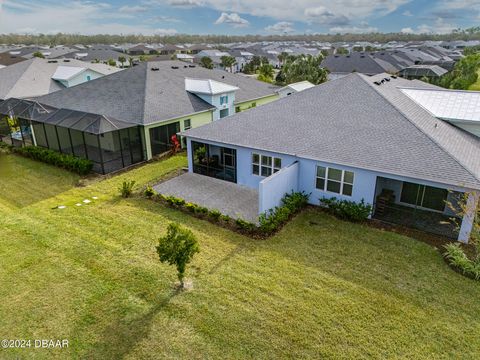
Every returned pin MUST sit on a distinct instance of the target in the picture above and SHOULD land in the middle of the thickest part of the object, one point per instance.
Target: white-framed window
(223, 99)
(334, 180)
(187, 124)
(265, 165)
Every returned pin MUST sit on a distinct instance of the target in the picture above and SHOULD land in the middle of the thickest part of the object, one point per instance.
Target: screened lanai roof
(76, 120)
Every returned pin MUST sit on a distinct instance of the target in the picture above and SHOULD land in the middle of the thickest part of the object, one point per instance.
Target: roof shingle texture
(352, 122)
(142, 96)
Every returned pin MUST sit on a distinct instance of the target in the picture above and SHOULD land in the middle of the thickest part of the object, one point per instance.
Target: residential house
(387, 141)
(36, 77)
(131, 116)
(294, 88)
(421, 71)
(6, 58)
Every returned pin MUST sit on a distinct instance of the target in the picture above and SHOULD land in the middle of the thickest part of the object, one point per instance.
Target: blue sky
(236, 16)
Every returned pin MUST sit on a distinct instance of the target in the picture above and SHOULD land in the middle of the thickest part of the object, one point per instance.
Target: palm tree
(122, 60)
(130, 61)
(304, 67)
(206, 62)
(265, 72)
(228, 62)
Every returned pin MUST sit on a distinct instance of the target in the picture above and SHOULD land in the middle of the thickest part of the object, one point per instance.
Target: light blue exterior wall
(273, 188)
(215, 101)
(81, 78)
(364, 186)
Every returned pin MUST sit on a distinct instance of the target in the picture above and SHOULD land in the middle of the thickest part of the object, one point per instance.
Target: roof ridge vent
(377, 83)
(155, 69)
(175, 67)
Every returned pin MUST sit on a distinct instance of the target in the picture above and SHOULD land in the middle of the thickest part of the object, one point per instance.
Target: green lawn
(320, 288)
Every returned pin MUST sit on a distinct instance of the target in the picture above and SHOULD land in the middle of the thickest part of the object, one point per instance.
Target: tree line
(472, 33)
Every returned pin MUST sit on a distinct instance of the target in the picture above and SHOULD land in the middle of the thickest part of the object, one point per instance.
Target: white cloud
(286, 10)
(362, 28)
(322, 15)
(165, 32)
(185, 3)
(407, 13)
(282, 27)
(438, 27)
(407, 30)
(132, 9)
(232, 19)
(81, 17)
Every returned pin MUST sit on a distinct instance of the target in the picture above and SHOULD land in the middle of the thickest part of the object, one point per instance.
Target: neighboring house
(363, 63)
(294, 88)
(96, 54)
(36, 77)
(185, 57)
(6, 58)
(141, 50)
(132, 115)
(215, 55)
(356, 138)
(420, 71)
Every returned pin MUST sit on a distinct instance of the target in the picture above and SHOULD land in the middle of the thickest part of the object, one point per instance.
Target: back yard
(320, 288)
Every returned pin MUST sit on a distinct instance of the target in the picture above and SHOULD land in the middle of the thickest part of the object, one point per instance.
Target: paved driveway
(228, 198)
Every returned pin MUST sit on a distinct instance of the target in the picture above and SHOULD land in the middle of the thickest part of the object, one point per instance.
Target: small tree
(112, 62)
(177, 248)
(206, 62)
(228, 62)
(122, 60)
(38, 54)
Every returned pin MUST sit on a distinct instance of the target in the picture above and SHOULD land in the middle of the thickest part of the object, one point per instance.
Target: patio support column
(190, 155)
(469, 217)
(46, 137)
(101, 154)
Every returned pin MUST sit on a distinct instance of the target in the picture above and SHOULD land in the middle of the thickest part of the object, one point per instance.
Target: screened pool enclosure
(109, 143)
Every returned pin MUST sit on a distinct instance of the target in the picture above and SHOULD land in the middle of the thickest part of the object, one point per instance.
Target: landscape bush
(65, 161)
(126, 189)
(291, 203)
(347, 210)
(459, 260)
(269, 222)
(149, 191)
(214, 215)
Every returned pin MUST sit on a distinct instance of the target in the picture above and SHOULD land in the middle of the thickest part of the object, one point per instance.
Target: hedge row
(65, 161)
(268, 222)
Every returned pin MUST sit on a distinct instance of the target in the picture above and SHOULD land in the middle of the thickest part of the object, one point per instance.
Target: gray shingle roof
(142, 96)
(351, 121)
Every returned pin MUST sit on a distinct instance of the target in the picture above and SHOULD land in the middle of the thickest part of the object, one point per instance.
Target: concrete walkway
(228, 198)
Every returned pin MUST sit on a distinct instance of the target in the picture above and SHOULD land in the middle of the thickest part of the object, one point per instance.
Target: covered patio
(230, 199)
(111, 144)
(427, 208)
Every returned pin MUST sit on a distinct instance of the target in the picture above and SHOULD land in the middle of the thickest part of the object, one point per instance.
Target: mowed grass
(321, 288)
(24, 181)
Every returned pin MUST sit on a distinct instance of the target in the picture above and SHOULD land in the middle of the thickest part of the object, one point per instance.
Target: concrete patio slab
(230, 199)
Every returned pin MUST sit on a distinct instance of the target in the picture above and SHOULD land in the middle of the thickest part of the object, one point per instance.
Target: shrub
(65, 161)
(127, 188)
(347, 210)
(177, 248)
(191, 207)
(149, 191)
(214, 215)
(274, 218)
(244, 225)
(174, 201)
(200, 210)
(225, 218)
(457, 258)
(295, 201)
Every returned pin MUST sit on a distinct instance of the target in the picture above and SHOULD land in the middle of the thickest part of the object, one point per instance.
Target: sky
(236, 17)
